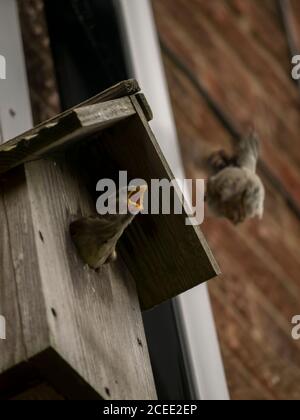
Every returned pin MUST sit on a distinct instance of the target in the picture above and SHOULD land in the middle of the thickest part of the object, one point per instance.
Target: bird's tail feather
(248, 151)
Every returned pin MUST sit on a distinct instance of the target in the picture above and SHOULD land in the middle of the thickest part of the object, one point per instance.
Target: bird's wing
(227, 184)
(95, 238)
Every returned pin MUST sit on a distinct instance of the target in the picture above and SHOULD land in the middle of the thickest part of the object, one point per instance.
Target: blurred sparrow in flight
(235, 191)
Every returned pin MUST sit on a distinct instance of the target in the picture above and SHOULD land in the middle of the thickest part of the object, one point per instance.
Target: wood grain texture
(63, 130)
(45, 100)
(12, 349)
(41, 392)
(64, 307)
(91, 321)
(165, 256)
(290, 11)
(194, 261)
(142, 100)
(94, 320)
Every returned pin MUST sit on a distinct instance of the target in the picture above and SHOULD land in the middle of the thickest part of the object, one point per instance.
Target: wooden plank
(273, 372)
(141, 98)
(262, 19)
(64, 378)
(12, 349)
(63, 130)
(213, 34)
(94, 319)
(165, 256)
(17, 379)
(39, 315)
(118, 91)
(41, 392)
(26, 267)
(72, 301)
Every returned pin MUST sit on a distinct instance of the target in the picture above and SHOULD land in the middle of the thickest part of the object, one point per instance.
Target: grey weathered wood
(125, 88)
(178, 257)
(64, 129)
(70, 316)
(91, 320)
(118, 91)
(142, 100)
(136, 151)
(165, 256)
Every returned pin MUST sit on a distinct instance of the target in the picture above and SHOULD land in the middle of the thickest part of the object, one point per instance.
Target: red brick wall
(237, 50)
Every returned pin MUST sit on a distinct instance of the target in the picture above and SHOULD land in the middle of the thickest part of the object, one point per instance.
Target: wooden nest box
(73, 332)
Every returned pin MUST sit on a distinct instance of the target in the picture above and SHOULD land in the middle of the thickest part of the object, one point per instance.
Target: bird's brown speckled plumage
(96, 237)
(236, 191)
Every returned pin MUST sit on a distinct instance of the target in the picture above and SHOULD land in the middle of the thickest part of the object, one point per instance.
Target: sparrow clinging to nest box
(96, 237)
(236, 192)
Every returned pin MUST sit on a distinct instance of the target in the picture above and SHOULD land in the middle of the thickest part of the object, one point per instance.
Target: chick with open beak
(96, 237)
